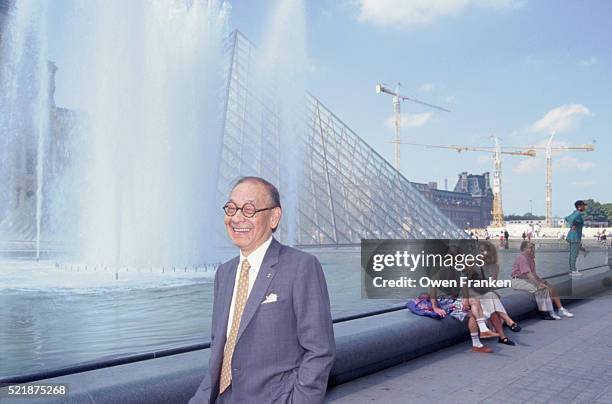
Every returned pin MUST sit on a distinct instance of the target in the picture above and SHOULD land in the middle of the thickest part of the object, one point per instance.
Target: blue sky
(514, 68)
(517, 69)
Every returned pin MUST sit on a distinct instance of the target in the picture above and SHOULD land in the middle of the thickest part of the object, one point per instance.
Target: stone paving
(567, 361)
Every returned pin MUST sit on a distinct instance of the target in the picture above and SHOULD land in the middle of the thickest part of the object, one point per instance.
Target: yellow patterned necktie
(228, 351)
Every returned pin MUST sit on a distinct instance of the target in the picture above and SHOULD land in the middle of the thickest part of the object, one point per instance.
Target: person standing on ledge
(272, 339)
(574, 236)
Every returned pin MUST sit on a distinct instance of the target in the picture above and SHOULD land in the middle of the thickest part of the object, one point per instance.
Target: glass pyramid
(346, 190)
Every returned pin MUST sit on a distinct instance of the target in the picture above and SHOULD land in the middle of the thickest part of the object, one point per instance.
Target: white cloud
(426, 87)
(409, 13)
(409, 120)
(573, 163)
(527, 166)
(589, 61)
(561, 119)
(536, 166)
(502, 4)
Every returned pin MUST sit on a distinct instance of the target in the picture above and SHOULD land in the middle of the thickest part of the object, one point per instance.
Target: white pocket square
(271, 298)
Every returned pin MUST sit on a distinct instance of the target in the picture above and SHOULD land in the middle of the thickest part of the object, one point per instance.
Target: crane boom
(404, 98)
(397, 99)
(585, 147)
(513, 151)
(531, 151)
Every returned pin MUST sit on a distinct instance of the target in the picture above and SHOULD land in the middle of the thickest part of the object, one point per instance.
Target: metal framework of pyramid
(347, 191)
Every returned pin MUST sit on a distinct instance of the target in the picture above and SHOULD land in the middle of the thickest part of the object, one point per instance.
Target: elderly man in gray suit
(272, 335)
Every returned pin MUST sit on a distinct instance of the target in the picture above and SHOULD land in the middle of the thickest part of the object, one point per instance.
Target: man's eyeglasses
(248, 209)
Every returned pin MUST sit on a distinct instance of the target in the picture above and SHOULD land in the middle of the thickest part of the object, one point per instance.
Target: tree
(595, 212)
(607, 208)
(526, 216)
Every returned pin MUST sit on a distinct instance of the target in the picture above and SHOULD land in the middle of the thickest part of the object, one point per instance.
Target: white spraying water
(24, 120)
(42, 125)
(281, 67)
(143, 80)
(146, 160)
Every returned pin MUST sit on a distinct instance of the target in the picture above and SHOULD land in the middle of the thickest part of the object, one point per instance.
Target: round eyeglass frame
(250, 212)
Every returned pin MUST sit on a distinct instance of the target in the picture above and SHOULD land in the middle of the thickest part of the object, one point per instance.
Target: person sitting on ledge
(524, 277)
(492, 307)
(471, 310)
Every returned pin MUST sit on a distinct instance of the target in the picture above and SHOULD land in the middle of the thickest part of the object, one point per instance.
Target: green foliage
(526, 216)
(596, 212)
(607, 208)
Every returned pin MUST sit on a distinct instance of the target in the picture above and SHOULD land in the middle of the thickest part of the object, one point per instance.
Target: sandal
(506, 341)
(515, 327)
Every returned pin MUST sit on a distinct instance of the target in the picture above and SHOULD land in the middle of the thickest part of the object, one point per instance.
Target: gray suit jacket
(285, 350)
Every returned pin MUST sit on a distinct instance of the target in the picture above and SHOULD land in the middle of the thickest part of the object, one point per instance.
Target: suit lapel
(264, 278)
(228, 291)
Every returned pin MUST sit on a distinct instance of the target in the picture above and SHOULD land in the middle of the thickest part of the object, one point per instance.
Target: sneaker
(555, 316)
(565, 313)
(482, 349)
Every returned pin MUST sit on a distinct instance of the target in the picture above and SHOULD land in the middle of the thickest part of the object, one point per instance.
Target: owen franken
(426, 282)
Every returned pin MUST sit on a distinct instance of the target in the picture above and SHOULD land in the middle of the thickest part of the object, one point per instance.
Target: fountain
(138, 180)
(282, 62)
(122, 179)
(24, 121)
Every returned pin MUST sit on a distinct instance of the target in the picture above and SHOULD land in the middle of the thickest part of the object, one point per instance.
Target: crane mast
(549, 215)
(549, 149)
(398, 124)
(397, 116)
(498, 212)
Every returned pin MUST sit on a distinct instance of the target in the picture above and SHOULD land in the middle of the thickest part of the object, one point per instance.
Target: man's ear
(275, 217)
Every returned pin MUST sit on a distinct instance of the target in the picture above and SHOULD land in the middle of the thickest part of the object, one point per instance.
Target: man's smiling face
(248, 233)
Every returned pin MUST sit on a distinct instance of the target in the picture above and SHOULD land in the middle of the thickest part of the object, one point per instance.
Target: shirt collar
(256, 257)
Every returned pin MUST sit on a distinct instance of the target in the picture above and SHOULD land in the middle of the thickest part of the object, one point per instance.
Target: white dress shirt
(255, 259)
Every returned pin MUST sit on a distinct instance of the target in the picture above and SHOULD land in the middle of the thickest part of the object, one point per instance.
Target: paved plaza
(567, 361)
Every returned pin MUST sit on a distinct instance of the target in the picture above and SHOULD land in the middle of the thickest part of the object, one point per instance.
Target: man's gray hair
(273, 193)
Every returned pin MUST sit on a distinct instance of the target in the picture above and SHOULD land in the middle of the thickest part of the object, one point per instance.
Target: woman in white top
(492, 306)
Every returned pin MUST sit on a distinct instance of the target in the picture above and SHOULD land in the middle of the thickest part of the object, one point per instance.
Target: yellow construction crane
(549, 149)
(497, 151)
